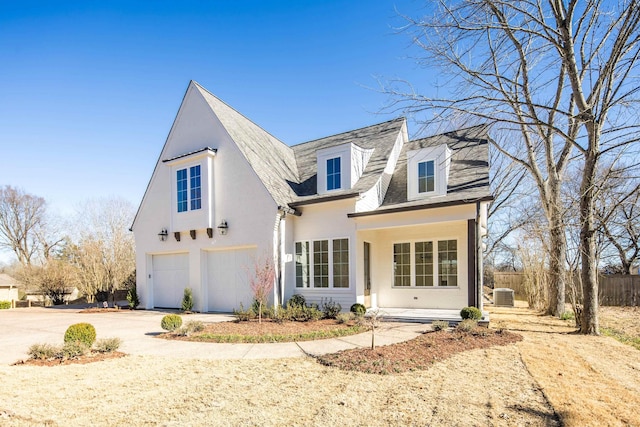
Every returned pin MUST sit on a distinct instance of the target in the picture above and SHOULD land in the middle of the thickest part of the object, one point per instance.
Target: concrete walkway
(21, 328)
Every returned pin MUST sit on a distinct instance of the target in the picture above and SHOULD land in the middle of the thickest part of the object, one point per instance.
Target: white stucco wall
(319, 222)
(237, 197)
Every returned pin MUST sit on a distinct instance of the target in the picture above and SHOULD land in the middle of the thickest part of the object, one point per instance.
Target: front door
(367, 274)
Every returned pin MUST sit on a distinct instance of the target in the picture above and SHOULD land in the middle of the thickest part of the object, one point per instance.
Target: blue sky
(89, 90)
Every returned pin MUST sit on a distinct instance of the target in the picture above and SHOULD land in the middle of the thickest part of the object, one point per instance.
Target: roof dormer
(428, 172)
(340, 167)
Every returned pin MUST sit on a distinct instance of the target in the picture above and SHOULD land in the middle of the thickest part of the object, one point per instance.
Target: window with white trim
(333, 174)
(322, 264)
(302, 264)
(189, 191)
(426, 177)
(340, 263)
(417, 264)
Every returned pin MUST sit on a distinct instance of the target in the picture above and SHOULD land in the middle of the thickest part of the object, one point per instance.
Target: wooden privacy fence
(614, 289)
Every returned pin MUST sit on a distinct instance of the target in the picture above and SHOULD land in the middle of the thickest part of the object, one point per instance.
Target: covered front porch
(419, 265)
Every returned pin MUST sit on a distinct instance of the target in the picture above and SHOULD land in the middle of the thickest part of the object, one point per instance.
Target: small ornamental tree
(261, 282)
(187, 300)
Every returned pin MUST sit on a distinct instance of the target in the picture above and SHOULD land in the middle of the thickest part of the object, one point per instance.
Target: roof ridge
(348, 131)
(481, 125)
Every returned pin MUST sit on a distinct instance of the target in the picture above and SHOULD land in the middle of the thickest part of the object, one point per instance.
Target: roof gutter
(421, 207)
(324, 199)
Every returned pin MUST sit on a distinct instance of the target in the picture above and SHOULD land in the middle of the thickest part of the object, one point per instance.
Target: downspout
(479, 267)
(278, 256)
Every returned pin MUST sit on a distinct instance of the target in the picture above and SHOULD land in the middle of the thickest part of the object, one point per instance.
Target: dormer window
(333, 174)
(426, 177)
(428, 172)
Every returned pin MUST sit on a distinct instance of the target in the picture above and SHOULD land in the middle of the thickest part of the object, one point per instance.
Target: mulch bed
(418, 353)
(83, 360)
(267, 328)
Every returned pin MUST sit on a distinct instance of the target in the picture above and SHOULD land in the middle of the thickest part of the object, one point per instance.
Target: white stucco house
(363, 216)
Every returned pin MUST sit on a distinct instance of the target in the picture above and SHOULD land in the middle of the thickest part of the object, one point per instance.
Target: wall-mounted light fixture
(163, 234)
(223, 228)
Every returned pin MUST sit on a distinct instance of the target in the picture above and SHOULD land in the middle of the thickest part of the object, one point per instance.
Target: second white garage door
(228, 278)
(170, 277)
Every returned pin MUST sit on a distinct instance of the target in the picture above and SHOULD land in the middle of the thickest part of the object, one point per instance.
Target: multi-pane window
(448, 263)
(402, 264)
(321, 264)
(189, 189)
(426, 176)
(340, 263)
(302, 264)
(420, 264)
(196, 190)
(182, 190)
(424, 263)
(333, 173)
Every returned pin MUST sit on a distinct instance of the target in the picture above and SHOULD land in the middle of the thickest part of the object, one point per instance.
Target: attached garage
(228, 278)
(170, 277)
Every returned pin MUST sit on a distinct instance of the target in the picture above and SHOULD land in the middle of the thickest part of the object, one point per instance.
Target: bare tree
(561, 73)
(496, 74)
(54, 279)
(21, 221)
(105, 253)
(618, 217)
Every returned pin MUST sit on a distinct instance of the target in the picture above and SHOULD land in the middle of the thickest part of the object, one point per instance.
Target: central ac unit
(503, 297)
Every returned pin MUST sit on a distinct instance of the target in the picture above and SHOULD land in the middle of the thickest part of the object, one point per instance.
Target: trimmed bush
(331, 309)
(132, 298)
(107, 345)
(171, 322)
(43, 351)
(296, 300)
(5, 305)
(440, 325)
(187, 300)
(243, 315)
(344, 317)
(358, 309)
(471, 313)
(191, 327)
(73, 350)
(467, 325)
(82, 332)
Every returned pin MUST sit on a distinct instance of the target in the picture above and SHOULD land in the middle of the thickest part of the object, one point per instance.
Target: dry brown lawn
(550, 377)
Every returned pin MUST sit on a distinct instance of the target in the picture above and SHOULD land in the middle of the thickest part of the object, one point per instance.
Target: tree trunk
(589, 324)
(557, 252)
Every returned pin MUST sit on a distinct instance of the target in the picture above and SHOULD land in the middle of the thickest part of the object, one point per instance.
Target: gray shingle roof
(468, 173)
(290, 173)
(380, 137)
(271, 159)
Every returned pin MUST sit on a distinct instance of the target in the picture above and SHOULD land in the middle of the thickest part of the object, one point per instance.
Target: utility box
(503, 297)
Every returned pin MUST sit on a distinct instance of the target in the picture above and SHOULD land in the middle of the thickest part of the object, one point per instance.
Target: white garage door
(228, 279)
(170, 277)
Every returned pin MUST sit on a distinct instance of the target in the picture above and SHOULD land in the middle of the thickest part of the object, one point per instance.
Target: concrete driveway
(23, 327)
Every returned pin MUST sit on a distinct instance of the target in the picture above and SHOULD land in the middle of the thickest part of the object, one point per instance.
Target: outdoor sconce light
(223, 228)
(163, 234)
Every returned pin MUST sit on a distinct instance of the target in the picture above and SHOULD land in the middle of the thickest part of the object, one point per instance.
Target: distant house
(8, 288)
(364, 216)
